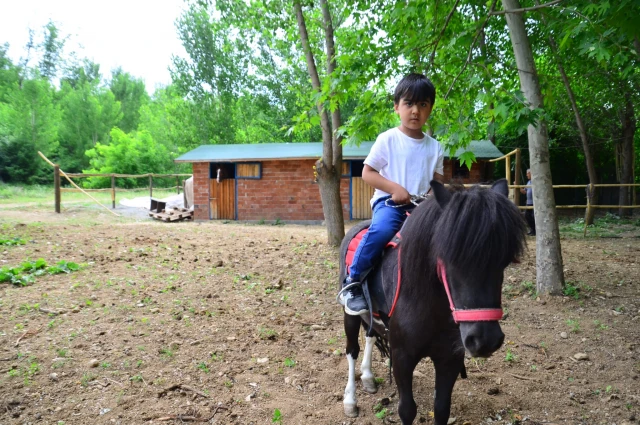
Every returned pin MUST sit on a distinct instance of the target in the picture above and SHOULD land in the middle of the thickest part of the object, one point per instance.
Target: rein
(467, 315)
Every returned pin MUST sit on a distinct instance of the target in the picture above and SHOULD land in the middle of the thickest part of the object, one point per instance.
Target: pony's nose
(482, 339)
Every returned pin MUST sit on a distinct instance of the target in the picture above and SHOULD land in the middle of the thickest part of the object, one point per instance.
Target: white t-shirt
(406, 161)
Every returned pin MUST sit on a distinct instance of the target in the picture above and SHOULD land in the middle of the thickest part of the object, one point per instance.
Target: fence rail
(113, 189)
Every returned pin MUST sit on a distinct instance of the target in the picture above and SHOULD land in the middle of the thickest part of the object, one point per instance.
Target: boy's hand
(401, 196)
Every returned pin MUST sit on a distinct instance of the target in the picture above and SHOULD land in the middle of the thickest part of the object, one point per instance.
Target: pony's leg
(351, 330)
(368, 381)
(447, 372)
(403, 366)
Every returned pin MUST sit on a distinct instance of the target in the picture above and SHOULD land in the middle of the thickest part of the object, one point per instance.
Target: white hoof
(370, 386)
(351, 410)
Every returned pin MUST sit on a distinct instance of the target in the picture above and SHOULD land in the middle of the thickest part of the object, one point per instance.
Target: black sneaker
(352, 298)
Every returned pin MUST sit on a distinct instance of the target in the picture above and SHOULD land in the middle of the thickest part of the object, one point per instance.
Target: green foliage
(510, 357)
(12, 241)
(131, 94)
(26, 273)
(277, 416)
(133, 153)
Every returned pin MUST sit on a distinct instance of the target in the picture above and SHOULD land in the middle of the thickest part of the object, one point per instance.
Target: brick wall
(286, 191)
(201, 190)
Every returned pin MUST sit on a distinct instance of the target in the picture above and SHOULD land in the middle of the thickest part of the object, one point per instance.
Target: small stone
(564, 335)
(493, 391)
(608, 294)
(94, 363)
(317, 328)
(451, 421)
(218, 263)
(53, 376)
(262, 360)
(277, 284)
(154, 310)
(418, 374)
(581, 356)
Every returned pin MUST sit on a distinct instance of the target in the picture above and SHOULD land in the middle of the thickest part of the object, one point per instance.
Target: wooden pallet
(172, 214)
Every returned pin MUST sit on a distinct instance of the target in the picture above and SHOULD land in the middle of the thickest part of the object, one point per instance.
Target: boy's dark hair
(415, 88)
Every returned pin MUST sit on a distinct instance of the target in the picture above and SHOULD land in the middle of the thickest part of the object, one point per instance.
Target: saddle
(387, 268)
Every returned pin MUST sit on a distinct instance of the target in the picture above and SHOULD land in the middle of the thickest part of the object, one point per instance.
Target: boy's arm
(399, 194)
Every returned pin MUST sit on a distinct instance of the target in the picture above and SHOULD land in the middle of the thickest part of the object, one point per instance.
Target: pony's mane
(478, 228)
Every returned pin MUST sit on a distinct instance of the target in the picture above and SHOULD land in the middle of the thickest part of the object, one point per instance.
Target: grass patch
(609, 225)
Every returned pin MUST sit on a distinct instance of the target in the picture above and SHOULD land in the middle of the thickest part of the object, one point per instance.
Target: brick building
(275, 181)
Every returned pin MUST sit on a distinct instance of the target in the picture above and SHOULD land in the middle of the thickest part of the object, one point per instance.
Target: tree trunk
(588, 158)
(549, 274)
(329, 167)
(628, 130)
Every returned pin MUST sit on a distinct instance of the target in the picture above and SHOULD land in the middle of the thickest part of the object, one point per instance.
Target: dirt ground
(173, 322)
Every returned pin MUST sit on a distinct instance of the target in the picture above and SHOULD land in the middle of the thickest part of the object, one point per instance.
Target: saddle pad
(353, 245)
(382, 307)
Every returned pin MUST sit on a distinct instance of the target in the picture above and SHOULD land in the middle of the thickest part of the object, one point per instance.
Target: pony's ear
(501, 186)
(442, 195)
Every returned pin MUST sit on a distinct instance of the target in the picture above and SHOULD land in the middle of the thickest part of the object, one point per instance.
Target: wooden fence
(113, 189)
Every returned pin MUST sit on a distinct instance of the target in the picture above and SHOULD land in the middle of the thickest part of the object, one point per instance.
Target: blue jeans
(385, 223)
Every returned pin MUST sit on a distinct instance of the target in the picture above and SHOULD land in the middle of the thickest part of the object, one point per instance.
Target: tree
(133, 153)
(51, 50)
(329, 167)
(89, 112)
(132, 95)
(550, 278)
(28, 124)
(9, 74)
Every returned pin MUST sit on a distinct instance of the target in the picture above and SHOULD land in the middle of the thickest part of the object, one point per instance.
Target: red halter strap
(467, 315)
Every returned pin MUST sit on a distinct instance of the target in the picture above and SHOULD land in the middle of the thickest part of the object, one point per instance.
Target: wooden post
(113, 191)
(507, 171)
(589, 189)
(150, 186)
(178, 184)
(516, 191)
(56, 186)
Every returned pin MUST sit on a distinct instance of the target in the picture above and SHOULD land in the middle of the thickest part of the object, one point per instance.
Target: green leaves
(25, 273)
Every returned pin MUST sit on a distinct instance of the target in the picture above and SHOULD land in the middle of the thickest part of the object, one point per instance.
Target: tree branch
(525, 9)
(327, 147)
(336, 119)
(473, 43)
(433, 53)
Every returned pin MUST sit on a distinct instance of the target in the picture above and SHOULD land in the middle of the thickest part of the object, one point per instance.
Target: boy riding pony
(401, 162)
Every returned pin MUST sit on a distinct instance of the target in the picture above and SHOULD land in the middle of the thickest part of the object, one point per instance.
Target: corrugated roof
(483, 149)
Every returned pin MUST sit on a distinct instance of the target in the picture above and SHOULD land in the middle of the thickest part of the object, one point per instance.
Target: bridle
(467, 315)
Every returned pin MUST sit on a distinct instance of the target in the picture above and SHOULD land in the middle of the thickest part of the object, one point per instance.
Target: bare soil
(237, 323)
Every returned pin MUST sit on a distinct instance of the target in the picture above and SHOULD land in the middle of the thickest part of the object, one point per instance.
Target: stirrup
(349, 286)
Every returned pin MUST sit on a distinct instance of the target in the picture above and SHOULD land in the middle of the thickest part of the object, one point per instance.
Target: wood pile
(172, 214)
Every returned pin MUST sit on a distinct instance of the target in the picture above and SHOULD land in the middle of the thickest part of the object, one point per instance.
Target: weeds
(12, 242)
(574, 325)
(509, 356)
(25, 273)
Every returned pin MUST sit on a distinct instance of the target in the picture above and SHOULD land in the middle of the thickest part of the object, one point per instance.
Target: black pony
(449, 267)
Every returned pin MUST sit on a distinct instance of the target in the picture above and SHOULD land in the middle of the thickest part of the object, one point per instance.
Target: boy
(402, 162)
